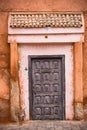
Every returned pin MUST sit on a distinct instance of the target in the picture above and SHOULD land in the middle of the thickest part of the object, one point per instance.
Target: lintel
(46, 27)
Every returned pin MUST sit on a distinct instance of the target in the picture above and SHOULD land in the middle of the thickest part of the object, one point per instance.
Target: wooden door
(46, 83)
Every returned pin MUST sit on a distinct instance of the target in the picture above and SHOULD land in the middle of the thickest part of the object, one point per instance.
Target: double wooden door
(46, 87)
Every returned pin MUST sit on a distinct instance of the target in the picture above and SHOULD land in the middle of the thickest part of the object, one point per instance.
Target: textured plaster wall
(4, 69)
(85, 69)
(43, 5)
(7, 6)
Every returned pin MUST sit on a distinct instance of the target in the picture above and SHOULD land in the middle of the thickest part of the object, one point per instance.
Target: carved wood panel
(47, 88)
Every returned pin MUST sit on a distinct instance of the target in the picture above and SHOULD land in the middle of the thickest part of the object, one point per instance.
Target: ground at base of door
(46, 125)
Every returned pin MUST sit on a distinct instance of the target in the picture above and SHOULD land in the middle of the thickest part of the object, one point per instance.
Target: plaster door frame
(27, 36)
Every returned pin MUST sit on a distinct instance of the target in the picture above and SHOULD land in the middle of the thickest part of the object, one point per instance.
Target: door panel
(46, 76)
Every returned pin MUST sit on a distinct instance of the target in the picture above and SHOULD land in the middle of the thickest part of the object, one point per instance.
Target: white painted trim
(46, 38)
(46, 30)
(47, 49)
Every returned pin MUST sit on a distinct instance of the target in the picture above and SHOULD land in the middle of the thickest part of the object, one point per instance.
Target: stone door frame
(71, 35)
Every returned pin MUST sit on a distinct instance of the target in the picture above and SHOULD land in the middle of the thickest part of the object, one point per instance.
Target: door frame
(62, 57)
(19, 36)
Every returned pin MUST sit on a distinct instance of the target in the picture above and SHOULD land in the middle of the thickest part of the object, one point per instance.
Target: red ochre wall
(7, 6)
